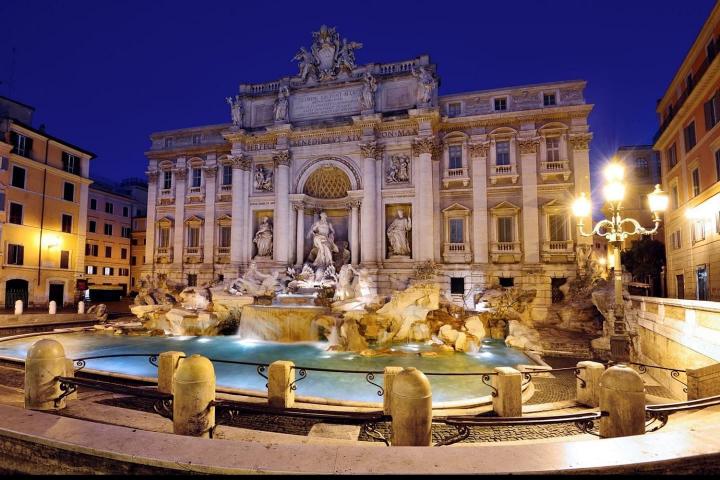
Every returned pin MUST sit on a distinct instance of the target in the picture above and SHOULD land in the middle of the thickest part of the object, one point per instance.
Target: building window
(558, 228)
(168, 143)
(18, 177)
(549, 99)
(502, 153)
(196, 139)
(453, 109)
(92, 226)
(64, 259)
(22, 145)
(164, 237)
(457, 285)
(675, 197)
(556, 294)
(505, 229)
(2, 201)
(552, 146)
(500, 104)
(196, 177)
(507, 282)
(109, 207)
(93, 204)
(108, 252)
(676, 240)
(717, 165)
(455, 156)
(711, 50)
(126, 211)
(167, 180)
(133, 260)
(16, 213)
(712, 111)
(69, 192)
(680, 285)
(696, 182)
(108, 229)
(125, 232)
(689, 133)
(123, 272)
(698, 231)
(108, 270)
(91, 270)
(457, 235)
(91, 250)
(193, 239)
(227, 175)
(70, 163)
(689, 81)
(224, 237)
(702, 282)
(67, 223)
(123, 253)
(672, 156)
(192, 279)
(642, 167)
(15, 254)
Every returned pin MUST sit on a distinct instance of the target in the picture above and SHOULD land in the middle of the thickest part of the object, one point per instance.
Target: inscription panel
(330, 103)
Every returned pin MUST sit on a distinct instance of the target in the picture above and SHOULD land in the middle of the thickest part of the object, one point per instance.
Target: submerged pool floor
(330, 385)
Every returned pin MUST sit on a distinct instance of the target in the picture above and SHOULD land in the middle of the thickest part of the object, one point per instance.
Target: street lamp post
(616, 229)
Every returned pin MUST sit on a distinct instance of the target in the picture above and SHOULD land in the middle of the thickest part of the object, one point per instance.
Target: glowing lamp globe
(658, 200)
(614, 171)
(581, 206)
(614, 191)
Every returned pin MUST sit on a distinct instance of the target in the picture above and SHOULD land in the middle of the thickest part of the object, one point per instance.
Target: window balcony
(164, 255)
(167, 196)
(503, 172)
(558, 251)
(193, 255)
(225, 193)
(559, 168)
(505, 252)
(222, 255)
(456, 176)
(195, 195)
(457, 253)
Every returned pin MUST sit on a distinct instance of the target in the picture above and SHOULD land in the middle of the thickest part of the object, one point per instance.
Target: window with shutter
(505, 229)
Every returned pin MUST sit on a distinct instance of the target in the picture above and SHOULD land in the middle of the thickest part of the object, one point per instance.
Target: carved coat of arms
(327, 56)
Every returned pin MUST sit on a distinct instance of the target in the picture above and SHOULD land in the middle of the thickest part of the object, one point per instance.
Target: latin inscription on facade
(325, 104)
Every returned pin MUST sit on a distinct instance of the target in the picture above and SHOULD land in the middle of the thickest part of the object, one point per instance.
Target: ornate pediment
(457, 208)
(505, 207)
(165, 222)
(224, 220)
(194, 220)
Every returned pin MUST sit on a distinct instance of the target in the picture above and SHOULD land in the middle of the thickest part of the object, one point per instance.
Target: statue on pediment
(426, 85)
(346, 55)
(306, 63)
(327, 55)
(281, 104)
(236, 110)
(367, 99)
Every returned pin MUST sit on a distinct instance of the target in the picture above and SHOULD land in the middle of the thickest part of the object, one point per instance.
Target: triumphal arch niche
(343, 162)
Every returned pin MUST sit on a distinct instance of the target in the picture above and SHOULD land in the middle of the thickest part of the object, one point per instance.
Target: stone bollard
(81, 307)
(18, 307)
(622, 395)
(281, 375)
(388, 378)
(44, 363)
(590, 373)
(193, 394)
(411, 406)
(168, 363)
(508, 401)
(52, 307)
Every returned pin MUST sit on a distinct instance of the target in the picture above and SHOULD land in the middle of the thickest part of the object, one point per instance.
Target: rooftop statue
(327, 55)
(426, 85)
(236, 110)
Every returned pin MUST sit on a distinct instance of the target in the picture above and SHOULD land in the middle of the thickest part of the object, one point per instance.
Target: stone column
(281, 227)
(581, 168)
(354, 232)
(300, 234)
(241, 166)
(151, 217)
(208, 241)
(530, 221)
(479, 229)
(423, 213)
(179, 233)
(371, 152)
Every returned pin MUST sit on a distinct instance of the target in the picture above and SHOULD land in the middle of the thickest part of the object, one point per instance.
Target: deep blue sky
(105, 74)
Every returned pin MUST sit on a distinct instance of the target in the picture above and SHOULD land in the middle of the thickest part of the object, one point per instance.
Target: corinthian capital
(479, 149)
(580, 141)
(211, 171)
(282, 157)
(152, 176)
(528, 145)
(180, 173)
(423, 145)
(240, 161)
(372, 150)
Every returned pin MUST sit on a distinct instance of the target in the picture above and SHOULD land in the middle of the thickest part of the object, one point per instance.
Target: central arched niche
(327, 182)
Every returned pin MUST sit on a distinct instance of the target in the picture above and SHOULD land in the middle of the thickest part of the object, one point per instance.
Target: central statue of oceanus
(323, 235)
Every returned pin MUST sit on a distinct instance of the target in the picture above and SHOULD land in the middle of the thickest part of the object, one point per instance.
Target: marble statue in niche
(323, 236)
(281, 104)
(367, 98)
(263, 178)
(397, 234)
(426, 85)
(264, 238)
(236, 110)
(398, 170)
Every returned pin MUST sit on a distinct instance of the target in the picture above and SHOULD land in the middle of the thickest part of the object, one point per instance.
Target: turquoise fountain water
(329, 385)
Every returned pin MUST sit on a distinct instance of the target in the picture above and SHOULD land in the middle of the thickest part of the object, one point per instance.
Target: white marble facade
(485, 178)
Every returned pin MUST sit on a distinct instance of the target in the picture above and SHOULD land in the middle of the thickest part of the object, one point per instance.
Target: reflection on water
(336, 386)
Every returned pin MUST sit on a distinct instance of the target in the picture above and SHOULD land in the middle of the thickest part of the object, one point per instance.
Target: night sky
(105, 74)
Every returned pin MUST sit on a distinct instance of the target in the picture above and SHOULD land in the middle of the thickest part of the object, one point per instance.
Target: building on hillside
(137, 252)
(478, 182)
(111, 211)
(43, 206)
(689, 142)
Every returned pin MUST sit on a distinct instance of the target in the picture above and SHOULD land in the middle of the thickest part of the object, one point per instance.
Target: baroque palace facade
(480, 183)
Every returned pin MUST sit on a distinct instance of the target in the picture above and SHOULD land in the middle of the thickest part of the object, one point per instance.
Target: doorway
(16, 289)
(702, 282)
(57, 293)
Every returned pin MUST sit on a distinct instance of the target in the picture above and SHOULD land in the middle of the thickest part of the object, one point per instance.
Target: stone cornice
(503, 119)
(188, 151)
